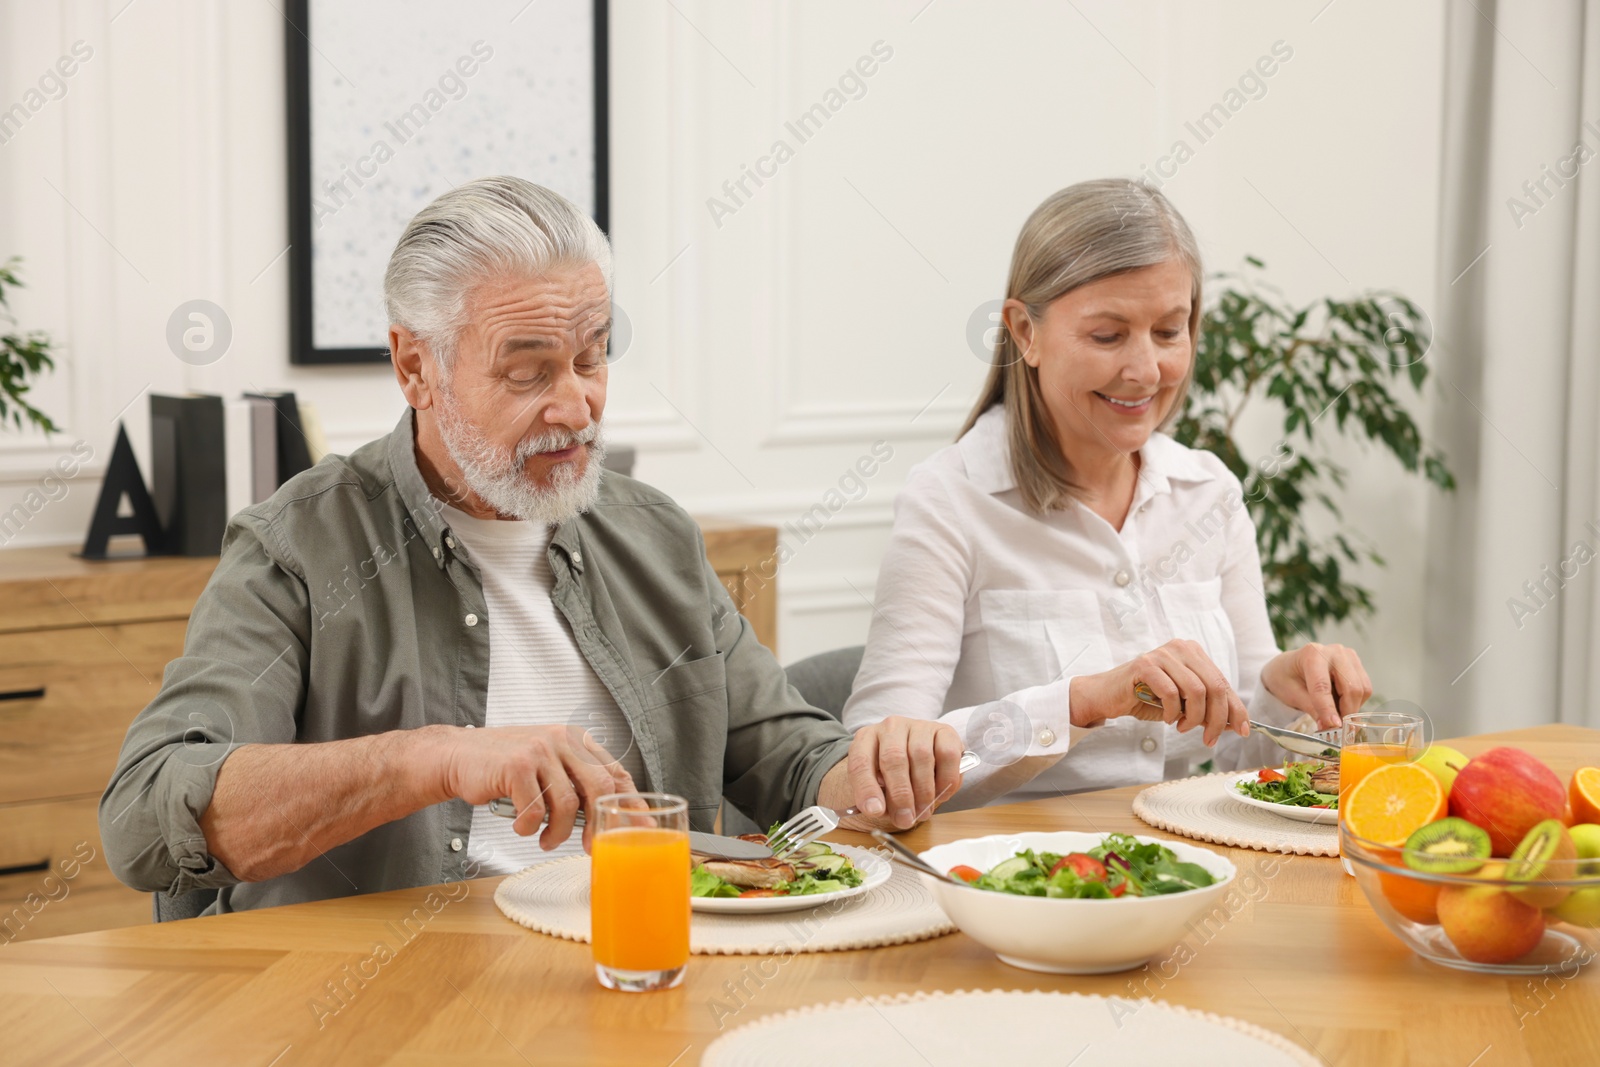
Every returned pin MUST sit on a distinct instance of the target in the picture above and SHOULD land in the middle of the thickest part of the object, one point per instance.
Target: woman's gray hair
(1083, 233)
(491, 226)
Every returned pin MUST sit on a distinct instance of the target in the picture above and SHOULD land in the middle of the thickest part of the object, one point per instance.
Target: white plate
(874, 870)
(1320, 816)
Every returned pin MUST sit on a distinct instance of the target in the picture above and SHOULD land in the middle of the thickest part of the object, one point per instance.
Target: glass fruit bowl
(1491, 915)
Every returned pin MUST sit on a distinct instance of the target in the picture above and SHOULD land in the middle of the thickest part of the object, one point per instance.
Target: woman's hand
(1325, 681)
(1192, 689)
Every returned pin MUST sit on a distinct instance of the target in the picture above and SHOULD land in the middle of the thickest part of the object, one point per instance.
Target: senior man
(468, 609)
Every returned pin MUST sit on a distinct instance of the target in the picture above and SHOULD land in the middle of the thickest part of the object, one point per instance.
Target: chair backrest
(825, 679)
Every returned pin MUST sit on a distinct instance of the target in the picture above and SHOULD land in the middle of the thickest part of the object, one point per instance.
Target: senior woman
(1064, 549)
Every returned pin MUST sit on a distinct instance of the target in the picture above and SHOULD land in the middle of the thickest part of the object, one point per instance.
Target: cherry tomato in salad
(965, 873)
(761, 893)
(1269, 774)
(1084, 865)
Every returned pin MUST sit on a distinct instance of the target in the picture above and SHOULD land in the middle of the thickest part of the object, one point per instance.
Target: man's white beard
(497, 475)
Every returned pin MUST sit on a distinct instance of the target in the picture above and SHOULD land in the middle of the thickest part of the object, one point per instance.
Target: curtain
(1513, 561)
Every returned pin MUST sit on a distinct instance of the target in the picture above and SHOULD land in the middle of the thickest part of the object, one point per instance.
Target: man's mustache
(555, 441)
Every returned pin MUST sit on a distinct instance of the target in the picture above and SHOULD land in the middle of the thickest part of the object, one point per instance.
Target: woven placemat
(1019, 1027)
(1202, 809)
(553, 898)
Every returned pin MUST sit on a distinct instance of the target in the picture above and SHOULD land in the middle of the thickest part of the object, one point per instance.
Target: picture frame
(348, 198)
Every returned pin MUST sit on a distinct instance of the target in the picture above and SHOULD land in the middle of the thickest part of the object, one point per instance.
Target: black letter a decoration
(123, 477)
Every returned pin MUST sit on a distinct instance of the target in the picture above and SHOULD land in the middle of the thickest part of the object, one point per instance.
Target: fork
(808, 825)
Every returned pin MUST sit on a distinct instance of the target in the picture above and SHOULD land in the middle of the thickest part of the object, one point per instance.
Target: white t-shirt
(985, 612)
(537, 675)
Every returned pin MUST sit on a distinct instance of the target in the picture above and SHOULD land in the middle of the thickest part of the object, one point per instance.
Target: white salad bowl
(1069, 936)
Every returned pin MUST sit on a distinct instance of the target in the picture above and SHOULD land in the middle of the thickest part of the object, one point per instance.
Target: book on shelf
(293, 452)
(251, 449)
(188, 472)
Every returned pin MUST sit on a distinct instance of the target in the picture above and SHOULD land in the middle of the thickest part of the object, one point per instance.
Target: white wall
(774, 344)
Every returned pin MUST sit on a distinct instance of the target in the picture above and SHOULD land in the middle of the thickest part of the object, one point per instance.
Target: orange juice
(1358, 761)
(639, 898)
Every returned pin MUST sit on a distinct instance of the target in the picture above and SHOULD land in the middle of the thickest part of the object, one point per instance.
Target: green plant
(21, 355)
(1329, 365)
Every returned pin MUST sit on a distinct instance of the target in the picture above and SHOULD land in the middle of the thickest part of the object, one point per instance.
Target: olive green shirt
(344, 607)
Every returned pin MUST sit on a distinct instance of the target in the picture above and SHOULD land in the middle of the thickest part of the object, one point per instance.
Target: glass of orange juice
(639, 890)
(1373, 739)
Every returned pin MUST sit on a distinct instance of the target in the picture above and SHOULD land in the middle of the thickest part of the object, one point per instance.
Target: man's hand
(1311, 677)
(901, 768)
(543, 769)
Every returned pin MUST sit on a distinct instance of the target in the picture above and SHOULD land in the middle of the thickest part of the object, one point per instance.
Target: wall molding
(876, 509)
(796, 423)
(826, 593)
(841, 424)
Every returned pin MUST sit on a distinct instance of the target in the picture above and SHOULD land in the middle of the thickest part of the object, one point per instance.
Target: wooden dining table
(1305, 956)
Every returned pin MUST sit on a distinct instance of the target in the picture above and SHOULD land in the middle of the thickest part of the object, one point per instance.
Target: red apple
(1507, 792)
(1488, 925)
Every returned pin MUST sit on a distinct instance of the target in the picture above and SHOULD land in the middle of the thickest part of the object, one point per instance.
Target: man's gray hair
(499, 225)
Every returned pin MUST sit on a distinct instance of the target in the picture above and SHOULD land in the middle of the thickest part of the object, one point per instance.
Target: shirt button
(1148, 744)
(451, 541)
(1122, 578)
(577, 557)
(471, 619)
(436, 552)
(472, 725)
(455, 844)
(1047, 737)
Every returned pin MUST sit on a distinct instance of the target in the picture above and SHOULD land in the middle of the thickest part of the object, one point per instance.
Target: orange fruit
(1393, 802)
(1411, 897)
(1584, 794)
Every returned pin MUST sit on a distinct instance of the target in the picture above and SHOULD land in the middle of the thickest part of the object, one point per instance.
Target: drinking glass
(1373, 739)
(639, 891)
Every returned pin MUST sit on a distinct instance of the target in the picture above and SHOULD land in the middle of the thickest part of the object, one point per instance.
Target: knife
(714, 846)
(1322, 745)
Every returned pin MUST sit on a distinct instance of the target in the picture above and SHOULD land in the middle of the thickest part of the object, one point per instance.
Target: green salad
(1119, 866)
(1298, 785)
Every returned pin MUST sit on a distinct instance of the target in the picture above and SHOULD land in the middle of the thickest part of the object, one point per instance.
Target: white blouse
(985, 612)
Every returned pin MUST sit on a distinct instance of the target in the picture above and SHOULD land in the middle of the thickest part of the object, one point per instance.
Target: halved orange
(1584, 793)
(1393, 802)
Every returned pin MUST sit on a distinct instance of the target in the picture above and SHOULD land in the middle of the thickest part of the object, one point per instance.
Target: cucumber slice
(1007, 869)
(813, 850)
(829, 863)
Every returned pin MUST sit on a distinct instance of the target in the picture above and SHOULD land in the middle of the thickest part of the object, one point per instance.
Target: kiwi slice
(1544, 854)
(1448, 846)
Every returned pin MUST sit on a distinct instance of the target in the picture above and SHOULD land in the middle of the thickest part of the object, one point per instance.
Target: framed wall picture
(392, 102)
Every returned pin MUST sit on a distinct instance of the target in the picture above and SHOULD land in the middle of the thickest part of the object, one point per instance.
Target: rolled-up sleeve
(240, 680)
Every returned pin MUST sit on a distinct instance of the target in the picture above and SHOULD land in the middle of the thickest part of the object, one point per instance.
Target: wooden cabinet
(745, 557)
(82, 649)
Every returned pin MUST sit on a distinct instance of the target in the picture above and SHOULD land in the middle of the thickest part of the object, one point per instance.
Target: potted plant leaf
(22, 356)
(1333, 366)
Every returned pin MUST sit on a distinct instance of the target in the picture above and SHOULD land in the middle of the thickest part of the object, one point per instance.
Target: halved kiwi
(1448, 846)
(1545, 853)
